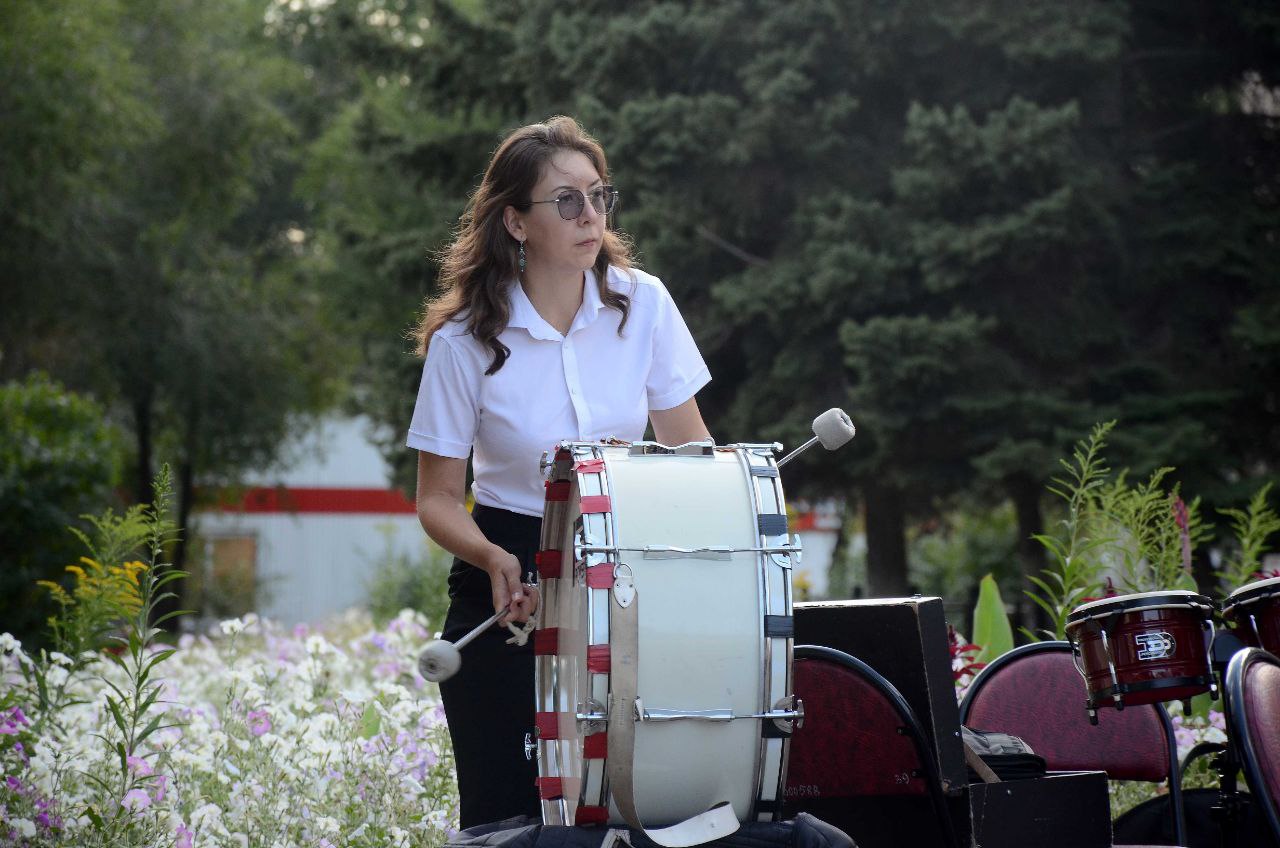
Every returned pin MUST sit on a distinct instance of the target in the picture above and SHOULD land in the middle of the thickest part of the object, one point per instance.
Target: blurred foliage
(949, 556)
(1252, 527)
(401, 581)
(59, 459)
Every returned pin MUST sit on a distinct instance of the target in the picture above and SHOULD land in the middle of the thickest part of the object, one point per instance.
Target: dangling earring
(521, 257)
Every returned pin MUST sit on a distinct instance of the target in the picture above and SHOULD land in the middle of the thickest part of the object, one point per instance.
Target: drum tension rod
(643, 714)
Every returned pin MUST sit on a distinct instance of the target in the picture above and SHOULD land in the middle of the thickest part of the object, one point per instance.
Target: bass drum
(1253, 611)
(1143, 648)
(665, 572)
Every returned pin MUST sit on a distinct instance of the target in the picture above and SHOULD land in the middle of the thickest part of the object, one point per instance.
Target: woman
(543, 331)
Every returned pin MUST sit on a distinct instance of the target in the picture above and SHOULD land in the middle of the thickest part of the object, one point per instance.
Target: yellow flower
(59, 594)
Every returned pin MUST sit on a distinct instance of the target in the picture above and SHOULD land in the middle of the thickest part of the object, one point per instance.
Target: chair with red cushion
(1253, 712)
(860, 739)
(1035, 692)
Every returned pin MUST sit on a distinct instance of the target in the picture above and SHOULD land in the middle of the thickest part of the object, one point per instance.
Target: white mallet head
(440, 660)
(833, 429)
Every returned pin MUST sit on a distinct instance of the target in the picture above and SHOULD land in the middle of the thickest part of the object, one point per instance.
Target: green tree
(69, 99)
(189, 305)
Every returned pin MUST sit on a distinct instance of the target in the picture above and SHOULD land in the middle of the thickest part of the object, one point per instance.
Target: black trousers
(489, 703)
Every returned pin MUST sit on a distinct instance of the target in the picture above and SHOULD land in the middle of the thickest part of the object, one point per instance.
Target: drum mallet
(441, 660)
(832, 428)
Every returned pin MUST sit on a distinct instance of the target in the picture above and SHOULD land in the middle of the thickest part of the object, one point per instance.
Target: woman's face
(553, 245)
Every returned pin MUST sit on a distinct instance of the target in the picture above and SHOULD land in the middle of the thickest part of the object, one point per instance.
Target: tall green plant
(1154, 533)
(104, 592)
(104, 587)
(1077, 565)
(130, 704)
(1251, 528)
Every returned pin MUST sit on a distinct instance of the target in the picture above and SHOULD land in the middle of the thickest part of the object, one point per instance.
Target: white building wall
(311, 565)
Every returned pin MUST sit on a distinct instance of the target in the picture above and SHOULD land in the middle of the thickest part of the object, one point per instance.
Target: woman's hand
(504, 577)
(443, 513)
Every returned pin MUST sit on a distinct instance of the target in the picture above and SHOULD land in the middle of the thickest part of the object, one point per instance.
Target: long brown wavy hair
(478, 268)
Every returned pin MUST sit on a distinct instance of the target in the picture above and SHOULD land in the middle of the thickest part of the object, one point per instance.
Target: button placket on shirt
(573, 380)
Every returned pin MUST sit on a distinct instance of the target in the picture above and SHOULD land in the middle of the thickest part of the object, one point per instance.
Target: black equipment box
(1059, 810)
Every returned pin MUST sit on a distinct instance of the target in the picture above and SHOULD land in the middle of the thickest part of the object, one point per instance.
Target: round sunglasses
(570, 202)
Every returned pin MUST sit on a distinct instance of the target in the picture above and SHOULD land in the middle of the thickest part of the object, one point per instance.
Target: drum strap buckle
(624, 586)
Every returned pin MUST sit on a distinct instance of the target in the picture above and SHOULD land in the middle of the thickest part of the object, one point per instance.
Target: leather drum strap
(624, 644)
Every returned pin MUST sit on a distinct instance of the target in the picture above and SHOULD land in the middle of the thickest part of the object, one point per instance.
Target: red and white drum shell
(1253, 611)
(1143, 648)
(702, 534)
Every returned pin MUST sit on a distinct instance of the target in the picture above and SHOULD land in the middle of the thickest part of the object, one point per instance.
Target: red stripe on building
(322, 500)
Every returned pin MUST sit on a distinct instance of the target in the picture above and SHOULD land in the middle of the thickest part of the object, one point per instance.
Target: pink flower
(13, 722)
(162, 781)
(1180, 518)
(259, 722)
(136, 800)
(138, 765)
(182, 837)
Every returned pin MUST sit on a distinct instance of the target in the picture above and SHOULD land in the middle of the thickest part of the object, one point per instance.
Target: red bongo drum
(1143, 648)
(1253, 611)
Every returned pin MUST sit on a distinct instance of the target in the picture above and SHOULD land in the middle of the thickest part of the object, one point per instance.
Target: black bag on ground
(804, 831)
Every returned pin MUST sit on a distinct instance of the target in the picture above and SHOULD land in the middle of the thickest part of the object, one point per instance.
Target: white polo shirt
(586, 385)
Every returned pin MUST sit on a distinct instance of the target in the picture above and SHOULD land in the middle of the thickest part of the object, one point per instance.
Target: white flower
(60, 658)
(318, 646)
(8, 643)
(26, 827)
(231, 626)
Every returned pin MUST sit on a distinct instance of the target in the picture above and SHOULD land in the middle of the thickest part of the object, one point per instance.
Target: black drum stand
(1227, 812)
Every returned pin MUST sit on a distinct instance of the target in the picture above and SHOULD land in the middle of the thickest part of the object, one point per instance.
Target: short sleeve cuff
(675, 397)
(440, 447)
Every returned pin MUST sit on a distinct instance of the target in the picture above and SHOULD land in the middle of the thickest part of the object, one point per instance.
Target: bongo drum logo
(1154, 645)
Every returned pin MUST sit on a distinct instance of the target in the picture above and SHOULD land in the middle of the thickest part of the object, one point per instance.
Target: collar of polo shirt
(525, 316)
